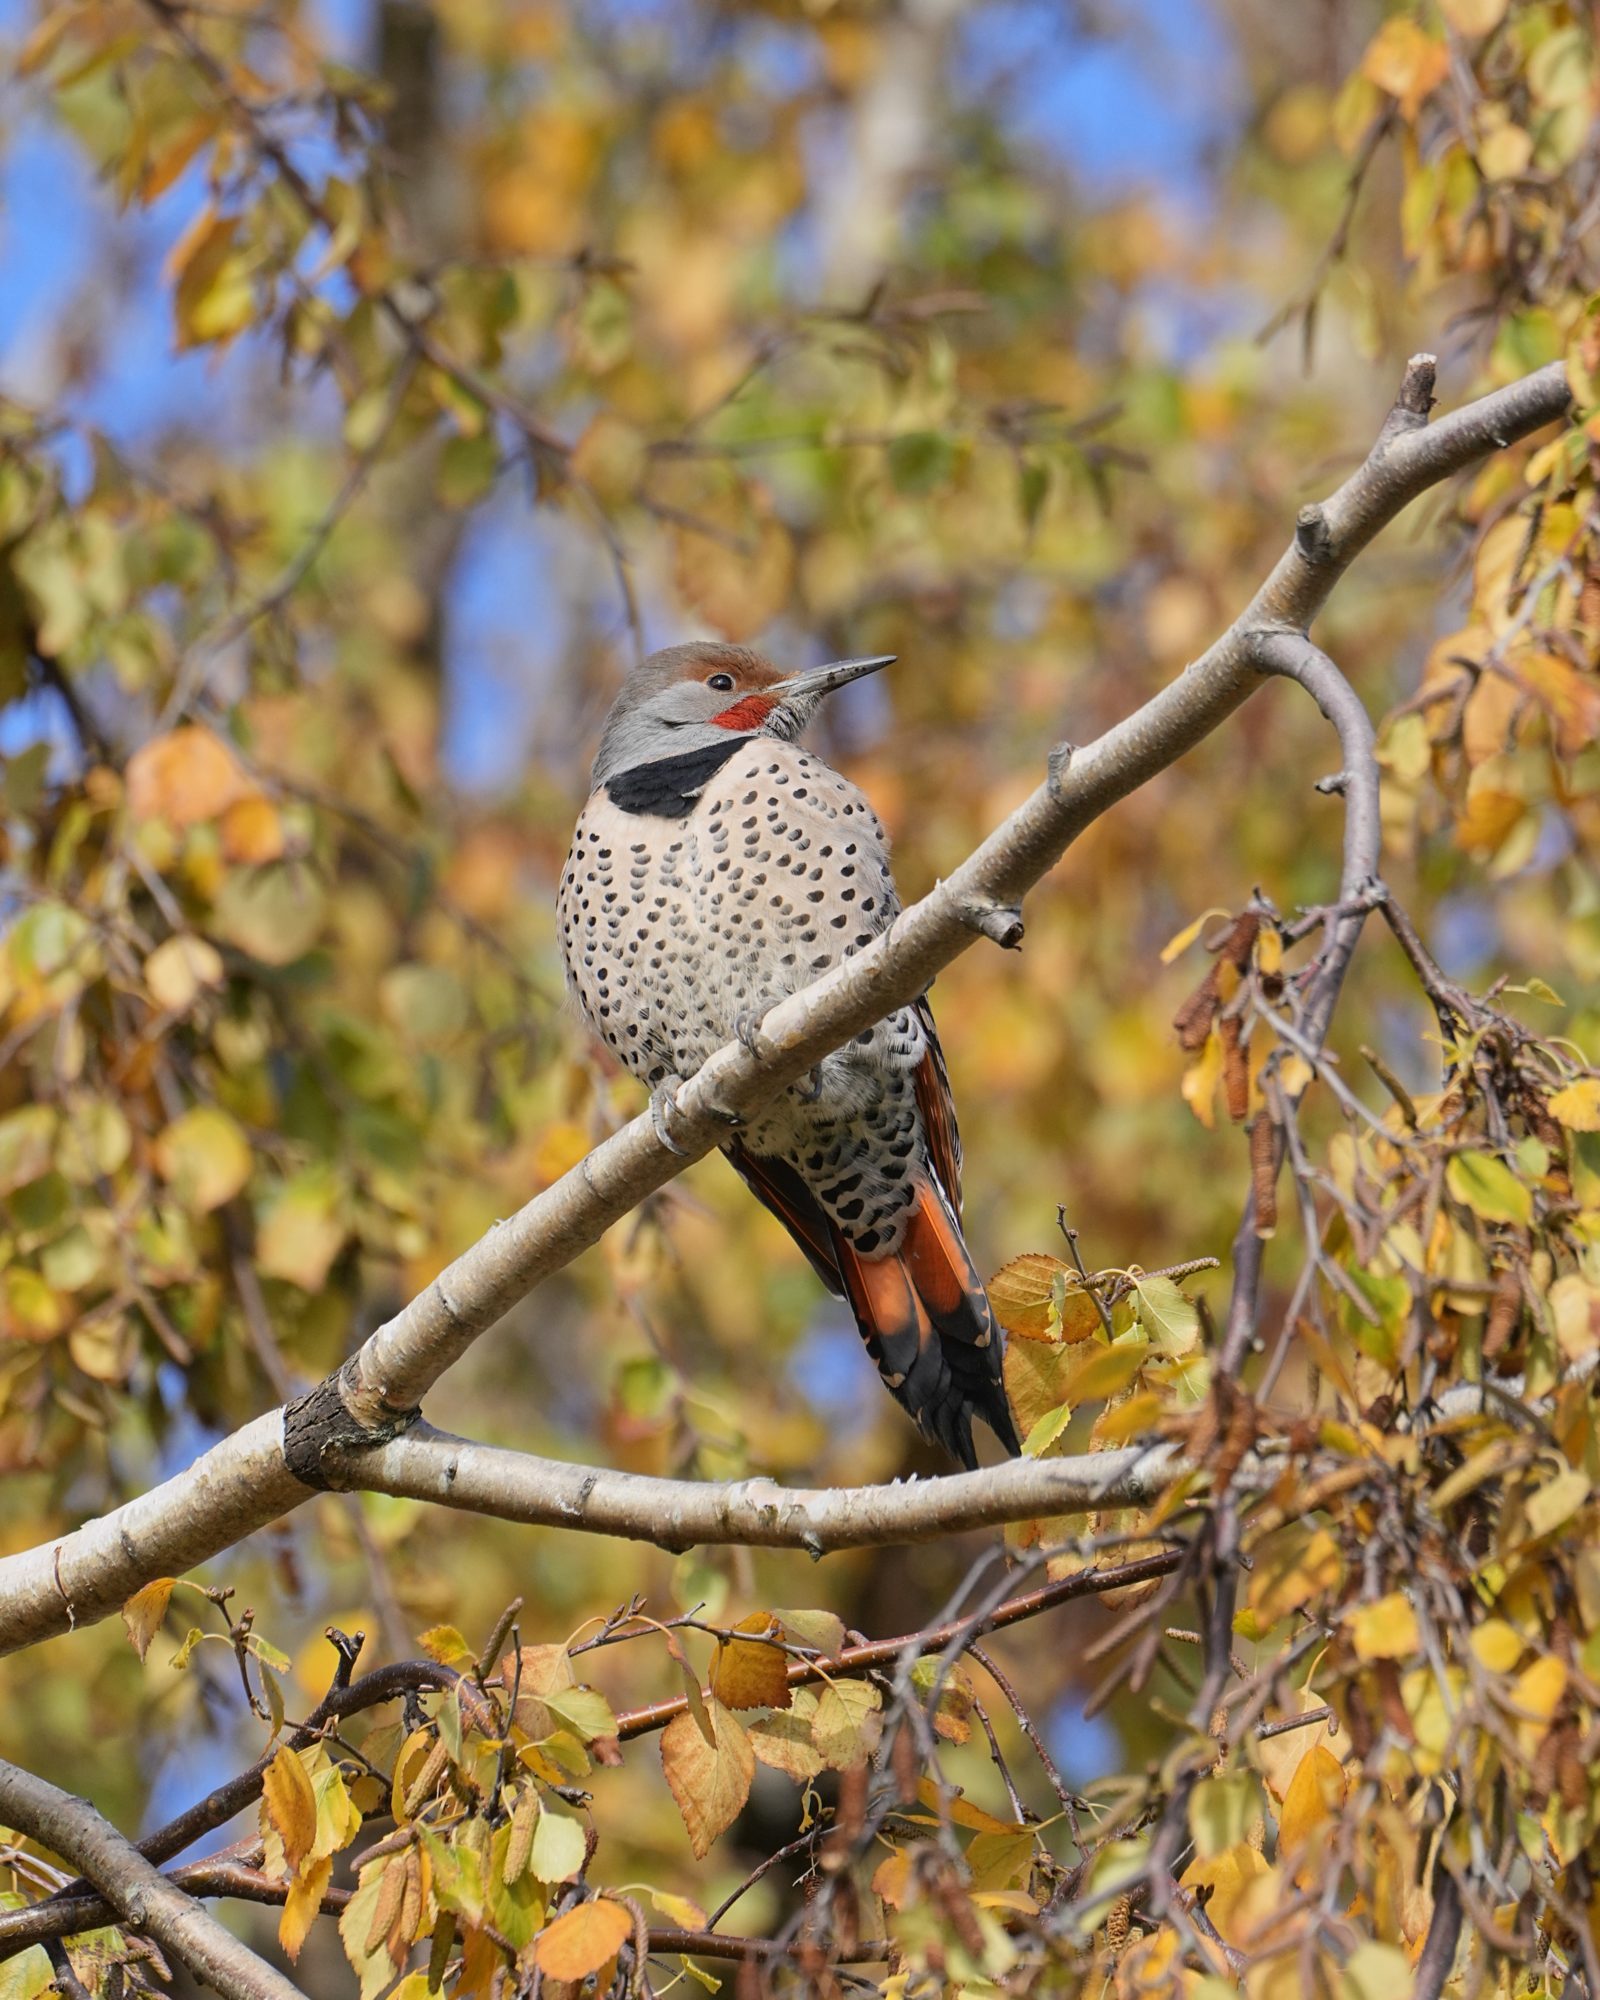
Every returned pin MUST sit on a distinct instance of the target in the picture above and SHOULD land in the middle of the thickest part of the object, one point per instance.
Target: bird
(717, 867)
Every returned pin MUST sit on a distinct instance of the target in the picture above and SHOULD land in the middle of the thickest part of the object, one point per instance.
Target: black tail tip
(950, 1424)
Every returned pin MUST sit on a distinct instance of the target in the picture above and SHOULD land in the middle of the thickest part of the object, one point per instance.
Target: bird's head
(686, 697)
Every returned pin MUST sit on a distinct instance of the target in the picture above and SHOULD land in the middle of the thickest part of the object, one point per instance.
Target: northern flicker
(716, 868)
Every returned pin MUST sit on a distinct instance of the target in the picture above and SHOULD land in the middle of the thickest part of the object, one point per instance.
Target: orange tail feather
(927, 1324)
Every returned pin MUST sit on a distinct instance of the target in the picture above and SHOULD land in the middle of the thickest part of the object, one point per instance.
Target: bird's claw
(663, 1103)
(809, 1089)
(747, 1032)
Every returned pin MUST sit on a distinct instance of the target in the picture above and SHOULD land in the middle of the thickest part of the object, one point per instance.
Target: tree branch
(1294, 656)
(140, 1894)
(678, 1514)
(916, 1645)
(263, 1470)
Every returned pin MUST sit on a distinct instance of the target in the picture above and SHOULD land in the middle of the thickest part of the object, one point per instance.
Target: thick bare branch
(245, 1482)
(677, 1514)
(141, 1895)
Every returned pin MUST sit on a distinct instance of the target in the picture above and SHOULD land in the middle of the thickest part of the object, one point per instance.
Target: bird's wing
(938, 1109)
(781, 1189)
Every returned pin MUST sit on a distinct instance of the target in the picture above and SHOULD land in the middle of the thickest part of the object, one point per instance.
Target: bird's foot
(747, 1032)
(663, 1108)
(809, 1087)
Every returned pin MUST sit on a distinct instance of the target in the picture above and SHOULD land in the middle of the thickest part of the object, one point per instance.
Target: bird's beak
(815, 682)
(799, 695)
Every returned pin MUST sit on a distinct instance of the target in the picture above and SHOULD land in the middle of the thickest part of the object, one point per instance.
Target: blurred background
(1004, 337)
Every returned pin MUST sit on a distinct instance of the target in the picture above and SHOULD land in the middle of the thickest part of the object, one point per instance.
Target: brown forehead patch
(700, 658)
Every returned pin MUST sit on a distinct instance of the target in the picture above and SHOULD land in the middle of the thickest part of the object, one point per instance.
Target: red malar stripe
(747, 714)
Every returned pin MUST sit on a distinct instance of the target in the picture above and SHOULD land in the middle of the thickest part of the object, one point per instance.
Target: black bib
(668, 790)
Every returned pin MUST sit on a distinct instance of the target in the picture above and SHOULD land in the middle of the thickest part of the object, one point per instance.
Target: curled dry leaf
(144, 1611)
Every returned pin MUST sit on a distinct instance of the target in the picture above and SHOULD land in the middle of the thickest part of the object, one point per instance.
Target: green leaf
(1489, 1188)
(920, 460)
(560, 1844)
(1045, 1432)
(1171, 1320)
(1223, 1810)
(27, 1975)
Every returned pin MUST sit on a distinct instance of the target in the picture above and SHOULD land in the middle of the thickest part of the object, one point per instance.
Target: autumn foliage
(534, 333)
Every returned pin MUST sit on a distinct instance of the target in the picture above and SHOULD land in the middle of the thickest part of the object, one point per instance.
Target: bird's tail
(927, 1323)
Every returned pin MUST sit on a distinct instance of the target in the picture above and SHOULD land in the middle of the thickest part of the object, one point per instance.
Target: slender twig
(855, 1660)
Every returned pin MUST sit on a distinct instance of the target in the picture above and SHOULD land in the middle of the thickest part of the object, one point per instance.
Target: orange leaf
(144, 1611)
(1406, 61)
(252, 830)
(1315, 1795)
(710, 1781)
(582, 1941)
(184, 777)
(1021, 1293)
(748, 1673)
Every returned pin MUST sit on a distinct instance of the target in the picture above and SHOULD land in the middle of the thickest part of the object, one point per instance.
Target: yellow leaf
(212, 296)
(1293, 1565)
(584, 1940)
(679, 1910)
(446, 1645)
(1474, 17)
(1179, 943)
(1104, 1371)
(1315, 1795)
(1536, 1694)
(144, 1611)
(1570, 697)
(891, 1880)
(185, 777)
(1228, 1876)
(847, 1723)
(1375, 1971)
(710, 1781)
(784, 1741)
(1555, 1503)
(748, 1673)
(302, 1230)
(1575, 1309)
(1578, 1106)
(290, 1805)
(1200, 1081)
(303, 1904)
(1496, 1645)
(962, 1812)
(1386, 1630)
(205, 1156)
(1035, 1376)
(1281, 1756)
(178, 969)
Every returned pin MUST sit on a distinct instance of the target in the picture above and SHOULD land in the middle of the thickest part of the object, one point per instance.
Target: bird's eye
(723, 683)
